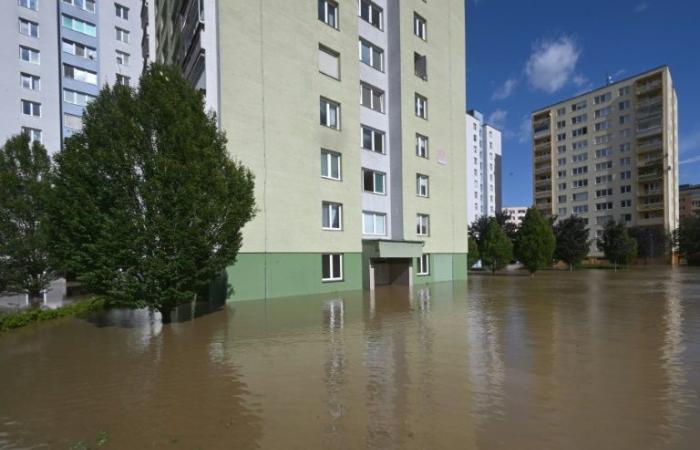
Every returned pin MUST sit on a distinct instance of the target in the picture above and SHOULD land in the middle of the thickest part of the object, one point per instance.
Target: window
(122, 35)
(578, 119)
(561, 124)
(29, 54)
(602, 125)
(603, 192)
(372, 139)
(579, 170)
(76, 98)
(330, 113)
(78, 74)
(421, 107)
(561, 112)
(373, 223)
(31, 82)
(562, 211)
(580, 157)
(28, 28)
(332, 267)
(423, 225)
(29, 4)
(371, 97)
(561, 149)
(420, 27)
(332, 215)
(562, 186)
(73, 122)
(373, 181)
(329, 62)
(624, 105)
(603, 166)
(580, 197)
(422, 185)
(625, 189)
(577, 184)
(121, 11)
(122, 58)
(371, 55)
(626, 203)
(85, 5)
(598, 99)
(561, 137)
(579, 132)
(420, 65)
(33, 133)
(330, 165)
(561, 174)
(371, 13)
(580, 209)
(625, 133)
(421, 146)
(328, 12)
(604, 179)
(626, 161)
(624, 119)
(627, 175)
(599, 140)
(603, 206)
(624, 91)
(603, 152)
(603, 112)
(578, 106)
(77, 49)
(79, 26)
(123, 79)
(579, 145)
(561, 162)
(626, 217)
(561, 199)
(31, 108)
(625, 147)
(423, 264)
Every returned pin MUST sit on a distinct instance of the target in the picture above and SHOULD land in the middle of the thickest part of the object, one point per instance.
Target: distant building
(689, 202)
(483, 167)
(517, 214)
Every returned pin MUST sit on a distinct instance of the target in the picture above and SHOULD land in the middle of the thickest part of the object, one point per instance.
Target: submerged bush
(10, 321)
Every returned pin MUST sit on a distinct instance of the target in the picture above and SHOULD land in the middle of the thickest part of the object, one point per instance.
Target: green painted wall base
(443, 267)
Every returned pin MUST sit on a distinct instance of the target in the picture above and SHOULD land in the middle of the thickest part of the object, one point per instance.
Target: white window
(332, 216)
(329, 62)
(371, 97)
(372, 139)
(423, 225)
(332, 267)
(421, 106)
(330, 113)
(77, 98)
(421, 146)
(85, 5)
(77, 49)
(79, 26)
(28, 28)
(330, 165)
(373, 181)
(29, 81)
(123, 80)
(78, 74)
(122, 58)
(423, 263)
(121, 11)
(373, 223)
(72, 122)
(420, 65)
(420, 27)
(422, 185)
(626, 203)
(371, 55)
(598, 99)
(122, 35)
(372, 13)
(29, 4)
(28, 54)
(624, 91)
(33, 133)
(31, 108)
(328, 12)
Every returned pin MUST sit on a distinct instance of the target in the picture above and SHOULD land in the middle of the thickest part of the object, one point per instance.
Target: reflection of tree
(334, 367)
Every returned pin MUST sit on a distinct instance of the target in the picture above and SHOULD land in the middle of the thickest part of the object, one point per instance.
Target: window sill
(332, 280)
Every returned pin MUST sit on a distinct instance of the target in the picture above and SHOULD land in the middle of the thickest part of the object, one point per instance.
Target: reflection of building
(359, 165)
(517, 214)
(483, 167)
(689, 202)
(611, 154)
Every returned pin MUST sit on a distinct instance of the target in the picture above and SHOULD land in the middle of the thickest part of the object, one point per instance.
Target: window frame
(372, 49)
(422, 222)
(118, 7)
(31, 27)
(375, 215)
(331, 266)
(420, 26)
(328, 104)
(374, 132)
(372, 6)
(426, 147)
(374, 174)
(326, 15)
(330, 205)
(421, 106)
(328, 156)
(419, 185)
(373, 90)
(33, 107)
(34, 81)
(423, 265)
(30, 51)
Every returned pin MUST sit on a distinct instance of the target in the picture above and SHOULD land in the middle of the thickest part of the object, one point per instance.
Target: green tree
(24, 192)
(572, 241)
(478, 228)
(535, 242)
(473, 254)
(497, 248)
(652, 242)
(616, 244)
(687, 238)
(148, 206)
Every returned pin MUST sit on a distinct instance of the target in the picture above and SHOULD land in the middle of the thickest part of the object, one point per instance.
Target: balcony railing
(650, 176)
(649, 102)
(649, 130)
(653, 161)
(643, 207)
(650, 145)
(648, 86)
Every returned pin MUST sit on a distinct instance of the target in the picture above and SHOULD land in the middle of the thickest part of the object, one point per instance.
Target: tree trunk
(166, 314)
(571, 267)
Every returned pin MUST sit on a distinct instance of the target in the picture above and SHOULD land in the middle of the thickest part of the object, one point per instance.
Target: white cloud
(552, 64)
(690, 142)
(580, 80)
(497, 119)
(692, 160)
(524, 132)
(505, 90)
(641, 7)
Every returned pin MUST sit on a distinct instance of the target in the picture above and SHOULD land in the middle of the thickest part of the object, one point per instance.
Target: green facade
(443, 267)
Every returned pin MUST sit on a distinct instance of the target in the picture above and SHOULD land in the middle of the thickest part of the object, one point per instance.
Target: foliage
(572, 244)
(652, 242)
(616, 244)
(478, 228)
(497, 248)
(535, 242)
(687, 238)
(148, 206)
(10, 321)
(473, 254)
(24, 192)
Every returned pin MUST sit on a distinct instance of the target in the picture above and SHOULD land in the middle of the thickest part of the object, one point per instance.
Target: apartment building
(483, 167)
(516, 213)
(689, 200)
(350, 115)
(56, 55)
(610, 154)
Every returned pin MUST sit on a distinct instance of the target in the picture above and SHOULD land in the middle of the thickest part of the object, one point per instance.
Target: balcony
(649, 128)
(542, 157)
(542, 170)
(543, 182)
(651, 160)
(650, 145)
(649, 86)
(545, 146)
(650, 176)
(543, 194)
(649, 102)
(645, 207)
(649, 193)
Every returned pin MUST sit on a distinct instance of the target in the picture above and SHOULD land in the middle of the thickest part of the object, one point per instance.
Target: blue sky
(524, 55)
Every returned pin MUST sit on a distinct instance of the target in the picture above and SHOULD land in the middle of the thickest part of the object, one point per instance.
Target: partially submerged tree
(148, 206)
(24, 193)
(616, 244)
(535, 242)
(473, 255)
(572, 240)
(497, 248)
(652, 241)
(687, 238)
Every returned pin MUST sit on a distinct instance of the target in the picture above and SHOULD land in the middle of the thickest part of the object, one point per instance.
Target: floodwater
(583, 360)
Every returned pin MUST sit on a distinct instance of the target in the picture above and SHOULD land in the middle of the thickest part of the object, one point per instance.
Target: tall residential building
(689, 202)
(350, 115)
(516, 213)
(483, 167)
(611, 154)
(56, 55)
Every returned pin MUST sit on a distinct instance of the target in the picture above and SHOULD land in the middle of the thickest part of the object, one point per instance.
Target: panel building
(689, 203)
(483, 167)
(56, 55)
(610, 154)
(351, 117)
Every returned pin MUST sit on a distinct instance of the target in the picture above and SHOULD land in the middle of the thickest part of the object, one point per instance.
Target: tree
(535, 242)
(478, 228)
(572, 241)
(497, 248)
(687, 238)
(616, 244)
(652, 242)
(24, 192)
(148, 207)
(473, 254)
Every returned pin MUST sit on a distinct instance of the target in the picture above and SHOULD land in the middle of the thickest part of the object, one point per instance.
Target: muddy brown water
(583, 360)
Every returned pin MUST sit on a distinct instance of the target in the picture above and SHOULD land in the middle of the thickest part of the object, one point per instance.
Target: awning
(392, 249)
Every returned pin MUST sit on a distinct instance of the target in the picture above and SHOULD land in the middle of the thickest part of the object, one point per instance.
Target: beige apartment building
(689, 200)
(610, 154)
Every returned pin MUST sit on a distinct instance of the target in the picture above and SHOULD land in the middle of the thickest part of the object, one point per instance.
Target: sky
(527, 54)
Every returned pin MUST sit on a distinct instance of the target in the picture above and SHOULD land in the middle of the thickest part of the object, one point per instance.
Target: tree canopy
(687, 238)
(616, 244)
(535, 242)
(572, 243)
(497, 248)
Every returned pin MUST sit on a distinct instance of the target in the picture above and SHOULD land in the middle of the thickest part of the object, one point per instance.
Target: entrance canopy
(392, 249)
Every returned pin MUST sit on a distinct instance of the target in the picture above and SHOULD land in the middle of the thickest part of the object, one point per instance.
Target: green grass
(13, 320)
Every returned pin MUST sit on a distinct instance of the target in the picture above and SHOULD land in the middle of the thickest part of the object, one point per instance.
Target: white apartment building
(516, 213)
(484, 155)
